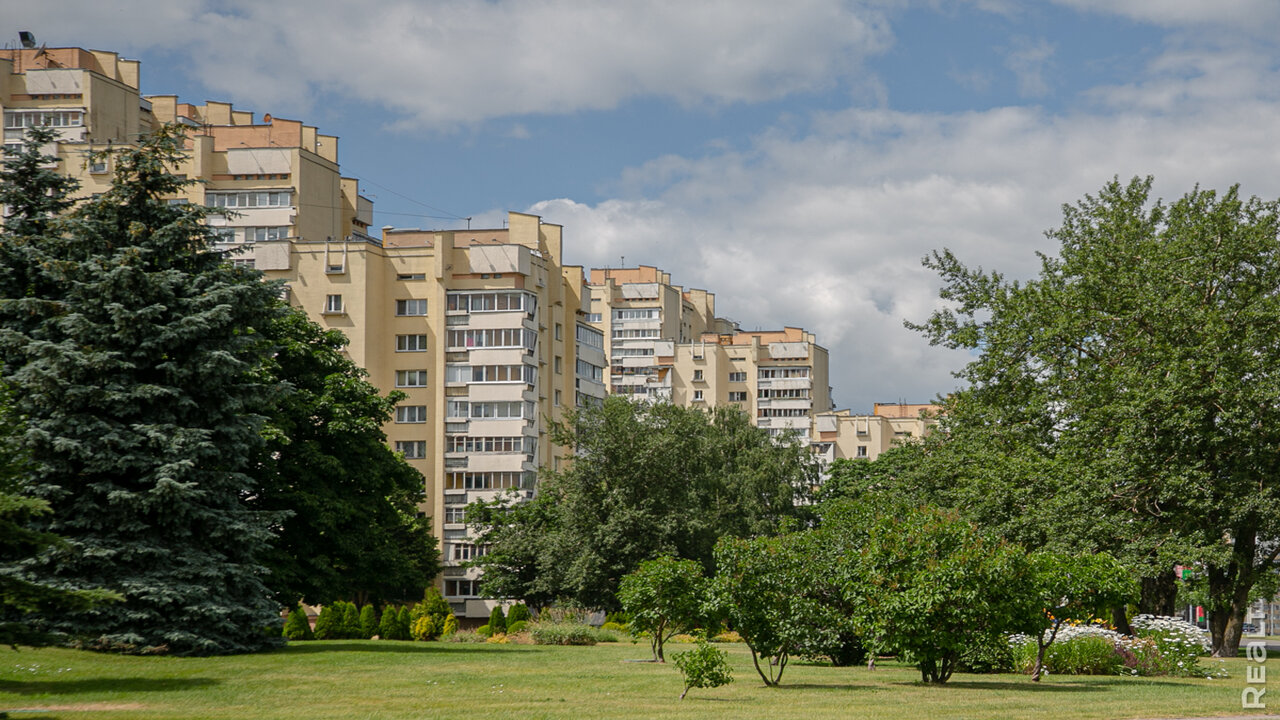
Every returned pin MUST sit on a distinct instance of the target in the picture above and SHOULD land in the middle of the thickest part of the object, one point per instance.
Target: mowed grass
(386, 680)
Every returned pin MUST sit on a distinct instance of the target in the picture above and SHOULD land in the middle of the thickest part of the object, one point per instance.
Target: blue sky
(796, 158)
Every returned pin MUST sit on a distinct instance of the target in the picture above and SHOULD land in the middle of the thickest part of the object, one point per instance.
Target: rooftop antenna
(624, 261)
(468, 223)
(27, 38)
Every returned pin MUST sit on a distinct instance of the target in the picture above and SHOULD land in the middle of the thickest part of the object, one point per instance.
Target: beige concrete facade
(841, 434)
(485, 332)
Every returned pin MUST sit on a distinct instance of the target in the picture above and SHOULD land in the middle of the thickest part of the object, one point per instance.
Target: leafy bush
(466, 636)
(350, 621)
(498, 638)
(328, 624)
(402, 625)
(703, 667)
(613, 626)
(497, 621)
(296, 626)
(368, 622)
(387, 628)
(450, 625)
(1092, 650)
(1178, 643)
(484, 631)
(562, 634)
(989, 655)
(620, 618)
(608, 636)
(518, 626)
(518, 613)
(424, 628)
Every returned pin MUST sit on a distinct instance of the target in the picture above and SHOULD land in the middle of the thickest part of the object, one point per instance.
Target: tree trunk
(1229, 594)
(1159, 593)
(1120, 620)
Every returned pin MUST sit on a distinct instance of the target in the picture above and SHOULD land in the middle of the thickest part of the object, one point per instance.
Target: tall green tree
(1141, 366)
(348, 504)
(131, 348)
(663, 597)
(646, 480)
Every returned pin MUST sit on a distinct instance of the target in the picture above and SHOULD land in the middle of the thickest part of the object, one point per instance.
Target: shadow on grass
(104, 684)
(390, 646)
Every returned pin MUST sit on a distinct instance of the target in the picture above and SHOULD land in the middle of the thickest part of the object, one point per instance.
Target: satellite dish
(266, 118)
(28, 39)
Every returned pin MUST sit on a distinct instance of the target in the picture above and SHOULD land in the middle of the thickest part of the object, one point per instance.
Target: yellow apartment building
(485, 332)
(841, 434)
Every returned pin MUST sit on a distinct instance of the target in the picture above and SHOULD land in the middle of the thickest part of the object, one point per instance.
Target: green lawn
(381, 680)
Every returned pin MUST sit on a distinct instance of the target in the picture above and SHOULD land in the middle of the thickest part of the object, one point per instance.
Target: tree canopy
(646, 480)
(1135, 378)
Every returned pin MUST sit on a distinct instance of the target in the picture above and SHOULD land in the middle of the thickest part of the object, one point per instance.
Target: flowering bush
(1163, 646)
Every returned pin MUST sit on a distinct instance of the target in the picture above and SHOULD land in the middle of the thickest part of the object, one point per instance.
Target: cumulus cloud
(454, 62)
(826, 228)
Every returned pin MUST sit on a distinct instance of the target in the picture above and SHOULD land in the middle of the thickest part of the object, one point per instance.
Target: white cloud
(1027, 60)
(455, 62)
(826, 229)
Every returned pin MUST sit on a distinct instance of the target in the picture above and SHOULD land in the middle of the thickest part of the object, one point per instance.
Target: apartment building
(485, 332)
(841, 434)
(640, 313)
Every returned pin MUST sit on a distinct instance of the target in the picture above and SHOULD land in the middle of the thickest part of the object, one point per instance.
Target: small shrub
(518, 626)
(619, 618)
(683, 638)
(327, 625)
(484, 631)
(402, 625)
(703, 667)
(1177, 643)
(498, 638)
(424, 628)
(368, 622)
(562, 634)
(518, 613)
(387, 628)
(497, 621)
(296, 626)
(467, 636)
(728, 636)
(450, 625)
(350, 621)
(614, 627)
(988, 655)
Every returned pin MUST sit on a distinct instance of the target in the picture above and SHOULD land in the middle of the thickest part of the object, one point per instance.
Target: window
(590, 337)
(455, 514)
(636, 314)
(462, 588)
(469, 444)
(412, 449)
(632, 352)
(738, 396)
(559, 331)
(782, 412)
(17, 119)
(411, 307)
(243, 263)
(490, 302)
(411, 276)
(784, 393)
(697, 396)
(249, 198)
(411, 343)
(492, 338)
(468, 551)
(266, 234)
(501, 410)
(783, 372)
(619, 334)
(490, 374)
(588, 371)
(594, 317)
(333, 304)
(489, 480)
(697, 375)
(335, 268)
(737, 377)
(411, 414)
(99, 165)
(557, 400)
(411, 378)
(862, 451)
(557, 365)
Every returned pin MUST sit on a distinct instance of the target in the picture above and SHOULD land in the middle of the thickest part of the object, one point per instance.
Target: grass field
(384, 680)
